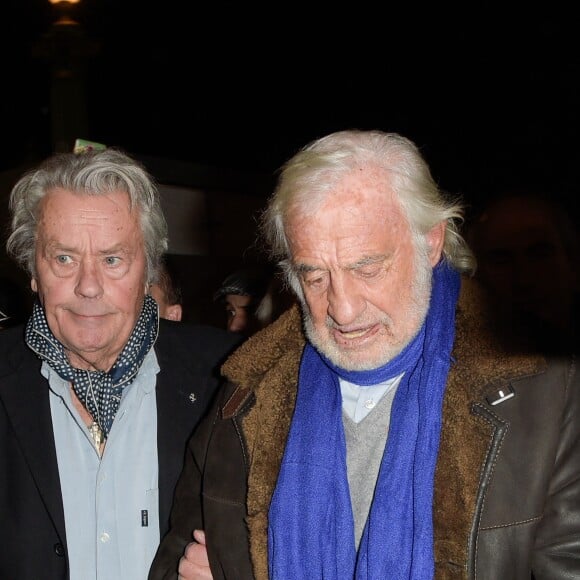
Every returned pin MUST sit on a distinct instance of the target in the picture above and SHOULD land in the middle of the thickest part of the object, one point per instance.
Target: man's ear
(174, 312)
(435, 240)
(33, 285)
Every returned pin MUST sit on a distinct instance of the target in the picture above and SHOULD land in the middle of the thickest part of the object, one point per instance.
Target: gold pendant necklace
(96, 436)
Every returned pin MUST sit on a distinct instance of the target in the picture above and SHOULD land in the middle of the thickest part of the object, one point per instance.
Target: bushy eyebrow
(305, 268)
(115, 250)
(55, 246)
(367, 261)
(302, 268)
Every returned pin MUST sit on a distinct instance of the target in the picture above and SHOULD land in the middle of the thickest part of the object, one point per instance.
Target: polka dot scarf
(99, 391)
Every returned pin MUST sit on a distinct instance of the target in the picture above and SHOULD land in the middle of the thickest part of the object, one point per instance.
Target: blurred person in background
(527, 251)
(167, 293)
(252, 297)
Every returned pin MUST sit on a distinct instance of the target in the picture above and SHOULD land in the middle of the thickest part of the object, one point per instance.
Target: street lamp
(65, 10)
(67, 50)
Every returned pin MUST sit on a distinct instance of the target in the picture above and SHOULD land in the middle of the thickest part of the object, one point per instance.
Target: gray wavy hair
(90, 173)
(310, 176)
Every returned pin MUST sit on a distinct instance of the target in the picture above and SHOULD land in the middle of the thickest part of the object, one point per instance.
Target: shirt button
(369, 404)
(105, 537)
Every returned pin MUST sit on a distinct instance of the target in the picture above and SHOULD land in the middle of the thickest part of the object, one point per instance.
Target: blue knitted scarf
(311, 525)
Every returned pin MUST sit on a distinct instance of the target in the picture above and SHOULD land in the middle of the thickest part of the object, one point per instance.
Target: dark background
(489, 92)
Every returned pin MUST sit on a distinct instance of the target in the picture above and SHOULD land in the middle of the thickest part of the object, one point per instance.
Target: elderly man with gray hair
(98, 395)
(382, 429)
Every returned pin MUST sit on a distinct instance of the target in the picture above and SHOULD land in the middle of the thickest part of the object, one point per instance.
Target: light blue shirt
(111, 506)
(358, 402)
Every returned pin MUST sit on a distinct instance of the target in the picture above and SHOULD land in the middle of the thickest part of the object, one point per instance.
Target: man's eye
(316, 283)
(368, 272)
(112, 260)
(313, 280)
(63, 259)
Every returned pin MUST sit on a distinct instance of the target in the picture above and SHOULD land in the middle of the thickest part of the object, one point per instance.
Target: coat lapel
(175, 417)
(25, 395)
(471, 434)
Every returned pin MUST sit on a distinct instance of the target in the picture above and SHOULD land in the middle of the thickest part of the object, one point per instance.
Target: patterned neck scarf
(99, 391)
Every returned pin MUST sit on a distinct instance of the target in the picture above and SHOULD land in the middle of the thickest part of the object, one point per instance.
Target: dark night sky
(490, 96)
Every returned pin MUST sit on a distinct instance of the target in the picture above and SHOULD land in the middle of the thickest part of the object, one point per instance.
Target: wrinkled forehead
(366, 189)
(109, 218)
